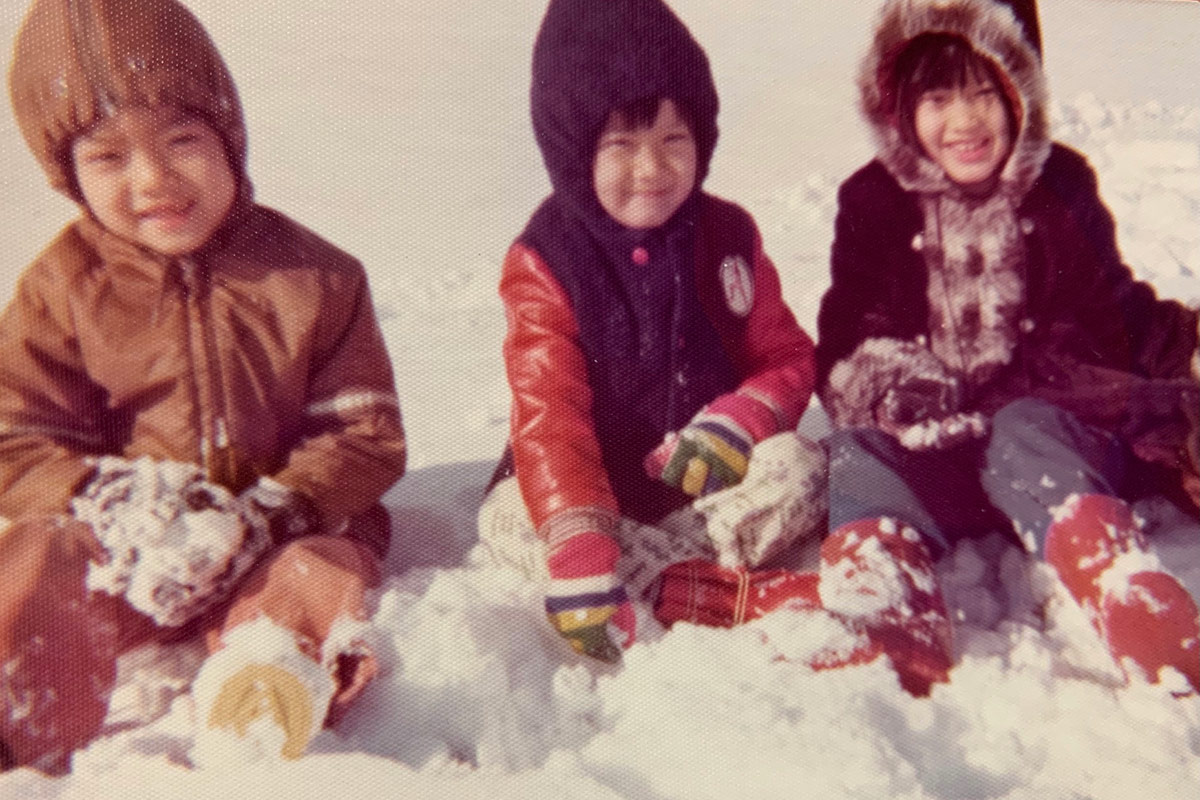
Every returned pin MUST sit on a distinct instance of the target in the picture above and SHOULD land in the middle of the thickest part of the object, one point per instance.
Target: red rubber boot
(878, 575)
(1143, 613)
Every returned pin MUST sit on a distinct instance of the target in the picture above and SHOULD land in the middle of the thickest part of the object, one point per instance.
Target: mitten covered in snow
(1144, 614)
(782, 498)
(897, 385)
(258, 698)
(713, 451)
(585, 601)
(177, 542)
(919, 398)
(282, 513)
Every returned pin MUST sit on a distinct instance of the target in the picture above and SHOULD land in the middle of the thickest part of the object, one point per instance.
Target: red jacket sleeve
(774, 353)
(555, 450)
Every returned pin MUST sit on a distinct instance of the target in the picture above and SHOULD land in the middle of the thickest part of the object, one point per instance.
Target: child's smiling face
(155, 176)
(965, 130)
(643, 174)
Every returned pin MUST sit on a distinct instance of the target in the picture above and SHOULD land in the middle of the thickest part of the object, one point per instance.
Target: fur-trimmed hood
(993, 30)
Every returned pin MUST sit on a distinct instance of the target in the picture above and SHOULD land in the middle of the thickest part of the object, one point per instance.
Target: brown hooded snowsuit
(257, 355)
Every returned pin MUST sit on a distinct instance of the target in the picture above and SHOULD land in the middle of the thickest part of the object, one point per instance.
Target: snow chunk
(176, 541)
(945, 432)
(255, 644)
(1115, 580)
(864, 583)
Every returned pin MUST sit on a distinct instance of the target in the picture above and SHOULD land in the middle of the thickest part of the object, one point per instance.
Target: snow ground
(404, 138)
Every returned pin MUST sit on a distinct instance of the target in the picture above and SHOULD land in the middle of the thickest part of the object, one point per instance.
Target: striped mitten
(586, 602)
(713, 451)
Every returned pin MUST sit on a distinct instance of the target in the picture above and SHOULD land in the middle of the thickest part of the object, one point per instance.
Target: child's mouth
(168, 214)
(972, 151)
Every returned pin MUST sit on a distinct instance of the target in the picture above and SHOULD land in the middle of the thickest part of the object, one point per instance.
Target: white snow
(865, 581)
(943, 432)
(399, 130)
(175, 541)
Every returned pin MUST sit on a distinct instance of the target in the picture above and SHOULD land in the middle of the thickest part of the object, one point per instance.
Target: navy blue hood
(592, 57)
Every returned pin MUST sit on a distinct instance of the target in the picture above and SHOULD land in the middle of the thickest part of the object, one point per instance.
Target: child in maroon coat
(988, 360)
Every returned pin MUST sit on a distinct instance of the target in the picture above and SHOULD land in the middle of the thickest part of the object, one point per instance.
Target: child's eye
(616, 142)
(183, 138)
(101, 158)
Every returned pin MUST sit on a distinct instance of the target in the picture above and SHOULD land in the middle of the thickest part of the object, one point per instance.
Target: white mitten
(782, 499)
(177, 542)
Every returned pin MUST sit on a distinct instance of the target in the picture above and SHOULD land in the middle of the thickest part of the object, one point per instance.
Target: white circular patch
(738, 285)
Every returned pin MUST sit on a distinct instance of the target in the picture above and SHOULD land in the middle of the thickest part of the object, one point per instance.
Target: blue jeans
(1034, 458)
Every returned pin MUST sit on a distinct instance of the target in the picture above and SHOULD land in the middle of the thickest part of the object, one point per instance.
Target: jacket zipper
(676, 382)
(215, 452)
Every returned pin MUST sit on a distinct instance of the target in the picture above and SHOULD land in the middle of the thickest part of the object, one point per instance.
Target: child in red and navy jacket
(649, 348)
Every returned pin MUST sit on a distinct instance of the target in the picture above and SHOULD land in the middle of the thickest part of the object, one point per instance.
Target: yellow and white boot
(259, 697)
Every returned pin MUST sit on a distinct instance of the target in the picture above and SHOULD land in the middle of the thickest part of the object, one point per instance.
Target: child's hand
(282, 513)
(78, 540)
(586, 602)
(701, 459)
(713, 451)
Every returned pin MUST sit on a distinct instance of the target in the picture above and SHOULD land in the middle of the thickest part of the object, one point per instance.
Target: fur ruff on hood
(993, 31)
(76, 61)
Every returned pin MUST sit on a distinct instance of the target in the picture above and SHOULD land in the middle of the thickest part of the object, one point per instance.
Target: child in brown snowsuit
(176, 322)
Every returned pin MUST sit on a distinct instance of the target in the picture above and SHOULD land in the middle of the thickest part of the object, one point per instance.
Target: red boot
(879, 576)
(1143, 613)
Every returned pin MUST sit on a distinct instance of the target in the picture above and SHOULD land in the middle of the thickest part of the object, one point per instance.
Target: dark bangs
(641, 113)
(940, 61)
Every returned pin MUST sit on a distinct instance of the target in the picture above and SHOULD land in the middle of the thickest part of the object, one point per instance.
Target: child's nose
(647, 161)
(964, 112)
(148, 169)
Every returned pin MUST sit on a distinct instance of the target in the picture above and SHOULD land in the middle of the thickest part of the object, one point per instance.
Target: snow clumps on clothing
(858, 384)
(176, 542)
